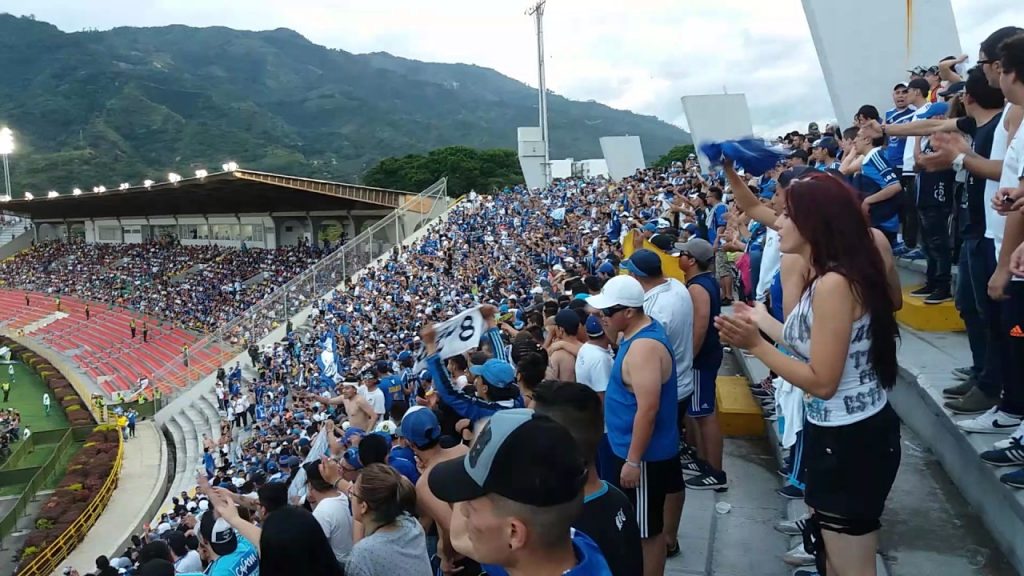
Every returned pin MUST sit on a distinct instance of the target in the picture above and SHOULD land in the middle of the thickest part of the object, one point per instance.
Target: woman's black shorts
(850, 469)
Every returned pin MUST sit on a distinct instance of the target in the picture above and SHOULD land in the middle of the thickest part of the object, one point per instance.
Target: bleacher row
(102, 346)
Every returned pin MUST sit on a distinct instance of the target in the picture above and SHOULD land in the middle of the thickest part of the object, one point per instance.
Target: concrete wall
(531, 156)
(716, 117)
(623, 154)
(862, 63)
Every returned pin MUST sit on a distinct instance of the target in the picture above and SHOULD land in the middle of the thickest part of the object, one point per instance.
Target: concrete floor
(928, 527)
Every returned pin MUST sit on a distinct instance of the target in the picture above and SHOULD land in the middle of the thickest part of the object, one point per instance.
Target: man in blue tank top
(640, 411)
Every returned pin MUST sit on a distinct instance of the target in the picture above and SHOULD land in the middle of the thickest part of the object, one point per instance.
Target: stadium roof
(233, 192)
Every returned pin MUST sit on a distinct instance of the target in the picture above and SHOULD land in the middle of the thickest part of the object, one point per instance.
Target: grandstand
(253, 271)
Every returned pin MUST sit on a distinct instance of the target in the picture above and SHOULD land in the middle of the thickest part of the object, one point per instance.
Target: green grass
(27, 397)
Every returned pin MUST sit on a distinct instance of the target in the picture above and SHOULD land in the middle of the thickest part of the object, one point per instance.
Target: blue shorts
(702, 401)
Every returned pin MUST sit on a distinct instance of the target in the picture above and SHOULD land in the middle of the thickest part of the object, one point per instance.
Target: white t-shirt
(594, 366)
(375, 398)
(1010, 177)
(336, 520)
(190, 562)
(994, 221)
(670, 304)
(908, 152)
(771, 260)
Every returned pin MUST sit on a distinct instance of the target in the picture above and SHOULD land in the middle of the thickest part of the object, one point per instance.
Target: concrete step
(738, 412)
(178, 439)
(926, 361)
(929, 317)
(212, 416)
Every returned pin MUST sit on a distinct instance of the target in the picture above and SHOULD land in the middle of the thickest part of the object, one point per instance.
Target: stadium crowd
(198, 287)
(561, 443)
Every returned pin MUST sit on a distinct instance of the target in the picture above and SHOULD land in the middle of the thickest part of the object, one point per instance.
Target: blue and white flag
(327, 361)
(751, 154)
(558, 213)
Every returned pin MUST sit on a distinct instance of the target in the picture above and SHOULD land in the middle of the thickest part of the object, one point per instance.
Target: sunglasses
(612, 311)
(983, 62)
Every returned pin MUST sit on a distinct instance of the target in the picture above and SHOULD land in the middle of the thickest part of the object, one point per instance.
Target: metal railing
(380, 238)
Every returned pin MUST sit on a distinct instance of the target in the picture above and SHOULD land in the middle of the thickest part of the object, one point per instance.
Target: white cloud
(640, 56)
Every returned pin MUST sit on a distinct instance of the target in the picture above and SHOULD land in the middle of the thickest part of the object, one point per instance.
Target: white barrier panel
(862, 59)
(623, 154)
(531, 156)
(716, 117)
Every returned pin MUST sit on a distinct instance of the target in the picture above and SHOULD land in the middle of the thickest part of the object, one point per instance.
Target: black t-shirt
(935, 189)
(972, 202)
(609, 520)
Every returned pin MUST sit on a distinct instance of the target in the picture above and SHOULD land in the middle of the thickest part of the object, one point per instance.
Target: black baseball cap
(518, 454)
(568, 320)
(799, 153)
(663, 242)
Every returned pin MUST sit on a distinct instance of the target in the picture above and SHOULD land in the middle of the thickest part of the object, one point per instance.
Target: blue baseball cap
(606, 268)
(420, 426)
(643, 263)
(351, 457)
(351, 433)
(495, 373)
(691, 228)
(594, 328)
(650, 227)
(404, 355)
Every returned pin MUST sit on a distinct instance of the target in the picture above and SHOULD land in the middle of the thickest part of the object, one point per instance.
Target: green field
(27, 397)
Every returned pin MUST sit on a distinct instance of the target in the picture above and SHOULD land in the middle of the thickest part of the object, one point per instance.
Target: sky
(640, 56)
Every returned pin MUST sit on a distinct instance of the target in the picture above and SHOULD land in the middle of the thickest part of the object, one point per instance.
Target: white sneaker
(1017, 435)
(797, 557)
(992, 422)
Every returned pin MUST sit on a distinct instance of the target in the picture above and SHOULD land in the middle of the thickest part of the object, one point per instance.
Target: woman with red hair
(841, 336)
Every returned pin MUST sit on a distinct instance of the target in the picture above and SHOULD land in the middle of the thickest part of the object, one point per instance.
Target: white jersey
(670, 304)
(860, 395)
(375, 398)
(771, 260)
(994, 221)
(594, 366)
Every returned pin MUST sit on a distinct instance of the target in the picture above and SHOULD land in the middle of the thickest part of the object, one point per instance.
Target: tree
(676, 154)
(466, 168)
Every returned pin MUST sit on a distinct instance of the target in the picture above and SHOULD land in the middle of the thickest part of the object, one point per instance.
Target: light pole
(6, 148)
(537, 11)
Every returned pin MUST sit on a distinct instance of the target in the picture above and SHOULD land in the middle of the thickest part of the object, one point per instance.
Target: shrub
(72, 408)
(44, 524)
(69, 402)
(29, 551)
(75, 487)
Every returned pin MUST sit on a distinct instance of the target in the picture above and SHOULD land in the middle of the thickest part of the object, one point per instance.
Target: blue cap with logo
(643, 263)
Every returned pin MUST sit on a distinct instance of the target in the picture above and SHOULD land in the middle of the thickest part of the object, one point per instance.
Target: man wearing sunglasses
(640, 411)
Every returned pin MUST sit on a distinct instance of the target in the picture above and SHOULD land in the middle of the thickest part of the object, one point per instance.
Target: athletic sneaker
(994, 421)
(963, 372)
(900, 249)
(1014, 479)
(805, 572)
(790, 491)
(798, 557)
(792, 527)
(922, 291)
(974, 402)
(762, 393)
(960, 389)
(1012, 455)
(716, 481)
(915, 254)
(692, 468)
(939, 296)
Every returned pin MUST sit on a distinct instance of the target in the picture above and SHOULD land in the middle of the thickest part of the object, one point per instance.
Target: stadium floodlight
(5, 198)
(229, 166)
(147, 183)
(76, 192)
(124, 186)
(52, 194)
(173, 178)
(29, 196)
(101, 189)
(201, 174)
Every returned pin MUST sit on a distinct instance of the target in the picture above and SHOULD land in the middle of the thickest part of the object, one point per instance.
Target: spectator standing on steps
(641, 412)
(131, 326)
(7, 390)
(46, 403)
(87, 312)
(145, 331)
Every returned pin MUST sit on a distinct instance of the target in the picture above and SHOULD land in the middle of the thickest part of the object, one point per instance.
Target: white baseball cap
(619, 291)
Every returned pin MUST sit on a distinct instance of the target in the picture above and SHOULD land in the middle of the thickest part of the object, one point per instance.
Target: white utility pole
(537, 11)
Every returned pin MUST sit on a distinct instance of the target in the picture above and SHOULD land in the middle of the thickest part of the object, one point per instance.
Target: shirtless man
(564, 346)
(360, 413)
(421, 432)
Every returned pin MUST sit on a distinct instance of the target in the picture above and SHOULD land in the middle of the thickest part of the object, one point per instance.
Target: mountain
(126, 104)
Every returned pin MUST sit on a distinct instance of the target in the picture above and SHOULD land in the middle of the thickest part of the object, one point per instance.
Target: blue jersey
(894, 152)
(875, 175)
(391, 385)
(620, 404)
(710, 354)
(717, 221)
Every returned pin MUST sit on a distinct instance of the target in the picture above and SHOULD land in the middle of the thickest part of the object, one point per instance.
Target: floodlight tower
(537, 11)
(6, 148)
